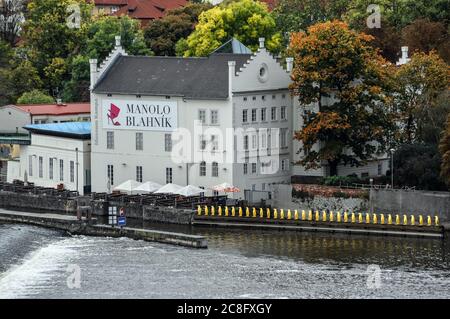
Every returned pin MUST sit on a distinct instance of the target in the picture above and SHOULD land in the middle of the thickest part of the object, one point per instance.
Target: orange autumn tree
(344, 87)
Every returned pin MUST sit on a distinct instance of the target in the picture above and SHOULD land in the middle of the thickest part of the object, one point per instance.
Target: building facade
(199, 121)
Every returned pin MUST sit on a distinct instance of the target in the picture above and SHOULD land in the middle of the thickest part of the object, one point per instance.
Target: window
(245, 168)
(263, 97)
(139, 174)
(203, 169)
(139, 141)
(168, 175)
(202, 116)
(254, 142)
(283, 113)
(30, 165)
(285, 165)
(274, 97)
(215, 169)
(253, 168)
(253, 115)
(111, 174)
(253, 187)
(202, 143)
(41, 167)
(50, 168)
(244, 116)
(263, 114)
(110, 140)
(263, 186)
(72, 171)
(246, 142)
(283, 96)
(263, 140)
(254, 98)
(214, 142)
(214, 117)
(380, 169)
(168, 142)
(61, 170)
(245, 98)
(283, 137)
(273, 114)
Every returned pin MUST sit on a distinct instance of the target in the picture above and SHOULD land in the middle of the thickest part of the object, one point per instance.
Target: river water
(37, 262)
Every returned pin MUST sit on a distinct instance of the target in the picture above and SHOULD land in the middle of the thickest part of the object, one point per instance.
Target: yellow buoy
(420, 220)
(289, 214)
(310, 217)
(429, 220)
(338, 217)
(275, 213)
(296, 214)
(254, 212)
(220, 211)
(261, 213)
(317, 216)
(206, 210)
(247, 212)
(382, 219)
(324, 216)
(268, 212)
(367, 218)
(331, 216)
(389, 219)
(199, 210)
(375, 219)
(226, 211)
(282, 214)
(233, 211)
(436, 221)
(303, 215)
(397, 219)
(353, 218)
(413, 220)
(405, 220)
(360, 218)
(240, 211)
(345, 217)
(213, 210)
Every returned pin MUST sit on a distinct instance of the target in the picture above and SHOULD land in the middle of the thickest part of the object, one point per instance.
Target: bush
(35, 97)
(340, 180)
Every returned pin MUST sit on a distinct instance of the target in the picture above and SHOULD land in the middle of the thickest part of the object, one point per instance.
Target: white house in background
(59, 153)
(138, 103)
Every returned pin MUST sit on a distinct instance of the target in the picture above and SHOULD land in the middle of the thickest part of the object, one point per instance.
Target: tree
(344, 86)
(162, 34)
(444, 148)
(35, 97)
(21, 78)
(246, 20)
(420, 84)
(11, 17)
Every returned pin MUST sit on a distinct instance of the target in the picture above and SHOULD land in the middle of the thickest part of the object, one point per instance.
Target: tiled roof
(149, 9)
(55, 109)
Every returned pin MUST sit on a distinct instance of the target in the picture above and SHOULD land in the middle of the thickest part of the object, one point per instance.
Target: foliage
(418, 165)
(163, 34)
(345, 86)
(245, 20)
(35, 97)
(420, 85)
(341, 180)
(444, 149)
(11, 16)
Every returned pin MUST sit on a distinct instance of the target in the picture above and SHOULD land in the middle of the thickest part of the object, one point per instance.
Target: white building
(59, 155)
(142, 108)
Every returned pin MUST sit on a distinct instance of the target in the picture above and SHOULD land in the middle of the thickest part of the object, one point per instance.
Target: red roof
(110, 2)
(55, 109)
(149, 9)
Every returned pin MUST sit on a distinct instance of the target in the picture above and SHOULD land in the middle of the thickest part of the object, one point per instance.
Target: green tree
(444, 148)
(421, 84)
(21, 78)
(162, 34)
(246, 20)
(35, 97)
(344, 86)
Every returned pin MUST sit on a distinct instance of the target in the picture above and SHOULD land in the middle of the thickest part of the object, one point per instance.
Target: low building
(59, 155)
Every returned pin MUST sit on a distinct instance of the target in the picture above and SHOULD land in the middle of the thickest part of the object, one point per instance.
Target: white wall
(81, 117)
(12, 120)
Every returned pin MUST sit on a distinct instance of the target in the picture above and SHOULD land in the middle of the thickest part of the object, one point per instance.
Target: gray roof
(195, 78)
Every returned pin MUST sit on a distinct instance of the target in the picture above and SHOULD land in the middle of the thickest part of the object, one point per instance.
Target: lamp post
(392, 167)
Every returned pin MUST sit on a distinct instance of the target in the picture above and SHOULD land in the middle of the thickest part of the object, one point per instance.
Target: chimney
(94, 72)
(404, 59)
(231, 74)
(117, 37)
(59, 102)
(289, 64)
(261, 43)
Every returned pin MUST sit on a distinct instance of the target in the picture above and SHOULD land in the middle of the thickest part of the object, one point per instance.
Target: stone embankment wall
(37, 203)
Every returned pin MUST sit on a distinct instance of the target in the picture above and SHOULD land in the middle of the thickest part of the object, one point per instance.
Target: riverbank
(74, 226)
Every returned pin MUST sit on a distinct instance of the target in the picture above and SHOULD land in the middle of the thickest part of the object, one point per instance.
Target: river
(37, 262)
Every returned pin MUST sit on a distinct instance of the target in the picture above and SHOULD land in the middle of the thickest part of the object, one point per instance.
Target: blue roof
(68, 129)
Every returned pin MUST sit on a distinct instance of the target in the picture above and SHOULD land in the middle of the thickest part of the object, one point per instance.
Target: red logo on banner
(114, 112)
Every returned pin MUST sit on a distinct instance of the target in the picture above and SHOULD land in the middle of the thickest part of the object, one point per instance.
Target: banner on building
(140, 115)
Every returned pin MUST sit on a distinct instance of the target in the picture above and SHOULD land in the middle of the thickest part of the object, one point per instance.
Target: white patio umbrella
(226, 188)
(169, 189)
(190, 190)
(147, 187)
(127, 186)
